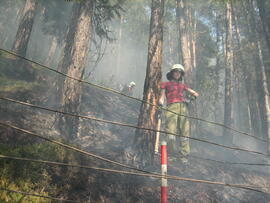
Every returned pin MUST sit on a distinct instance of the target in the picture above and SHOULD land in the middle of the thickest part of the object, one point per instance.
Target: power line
(230, 163)
(71, 147)
(197, 139)
(119, 93)
(131, 126)
(37, 195)
(120, 164)
(149, 174)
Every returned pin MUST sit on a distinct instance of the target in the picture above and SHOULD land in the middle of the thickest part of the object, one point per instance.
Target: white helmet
(178, 66)
(132, 84)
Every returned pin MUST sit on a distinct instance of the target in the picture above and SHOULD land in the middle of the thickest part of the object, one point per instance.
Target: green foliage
(28, 176)
(38, 151)
(8, 85)
(35, 177)
(104, 12)
(19, 185)
(9, 81)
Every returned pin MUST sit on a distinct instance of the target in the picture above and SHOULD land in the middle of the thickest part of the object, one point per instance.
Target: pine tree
(144, 140)
(73, 63)
(25, 27)
(228, 120)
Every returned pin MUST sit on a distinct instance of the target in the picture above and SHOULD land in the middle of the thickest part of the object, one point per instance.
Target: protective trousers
(178, 125)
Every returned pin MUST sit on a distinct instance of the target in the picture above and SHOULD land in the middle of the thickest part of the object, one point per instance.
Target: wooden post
(157, 134)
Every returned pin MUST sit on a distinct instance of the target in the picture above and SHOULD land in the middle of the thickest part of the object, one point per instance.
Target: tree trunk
(184, 36)
(262, 88)
(265, 96)
(118, 48)
(192, 31)
(239, 122)
(265, 21)
(22, 38)
(171, 50)
(217, 68)
(73, 63)
(52, 51)
(263, 6)
(187, 47)
(250, 91)
(25, 27)
(144, 140)
(228, 119)
(194, 39)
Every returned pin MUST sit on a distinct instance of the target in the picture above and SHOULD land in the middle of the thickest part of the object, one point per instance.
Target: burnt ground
(113, 142)
(120, 137)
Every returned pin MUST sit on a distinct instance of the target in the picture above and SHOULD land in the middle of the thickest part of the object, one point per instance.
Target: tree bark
(184, 36)
(194, 39)
(22, 39)
(144, 140)
(217, 67)
(265, 21)
(52, 51)
(25, 28)
(186, 26)
(265, 98)
(228, 119)
(73, 63)
(263, 7)
(171, 50)
(250, 91)
(262, 88)
(118, 48)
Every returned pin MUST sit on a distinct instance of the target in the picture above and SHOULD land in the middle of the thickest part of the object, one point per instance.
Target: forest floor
(112, 142)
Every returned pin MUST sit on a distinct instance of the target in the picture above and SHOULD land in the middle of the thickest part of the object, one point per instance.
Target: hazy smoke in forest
(121, 66)
(123, 61)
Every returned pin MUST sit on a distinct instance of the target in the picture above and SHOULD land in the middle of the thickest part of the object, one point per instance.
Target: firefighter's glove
(159, 110)
(192, 97)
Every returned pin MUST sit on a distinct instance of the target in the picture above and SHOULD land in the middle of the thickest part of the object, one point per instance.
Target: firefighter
(173, 92)
(128, 89)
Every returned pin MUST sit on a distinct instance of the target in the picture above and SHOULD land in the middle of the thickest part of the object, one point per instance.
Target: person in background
(128, 89)
(173, 92)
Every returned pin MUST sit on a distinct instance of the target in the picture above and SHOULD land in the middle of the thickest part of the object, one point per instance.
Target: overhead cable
(70, 147)
(152, 175)
(228, 162)
(140, 100)
(131, 126)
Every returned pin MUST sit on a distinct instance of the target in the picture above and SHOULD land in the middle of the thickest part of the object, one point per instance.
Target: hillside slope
(112, 142)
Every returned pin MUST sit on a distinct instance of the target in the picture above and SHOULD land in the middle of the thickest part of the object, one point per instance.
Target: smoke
(125, 60)
(9, 19)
